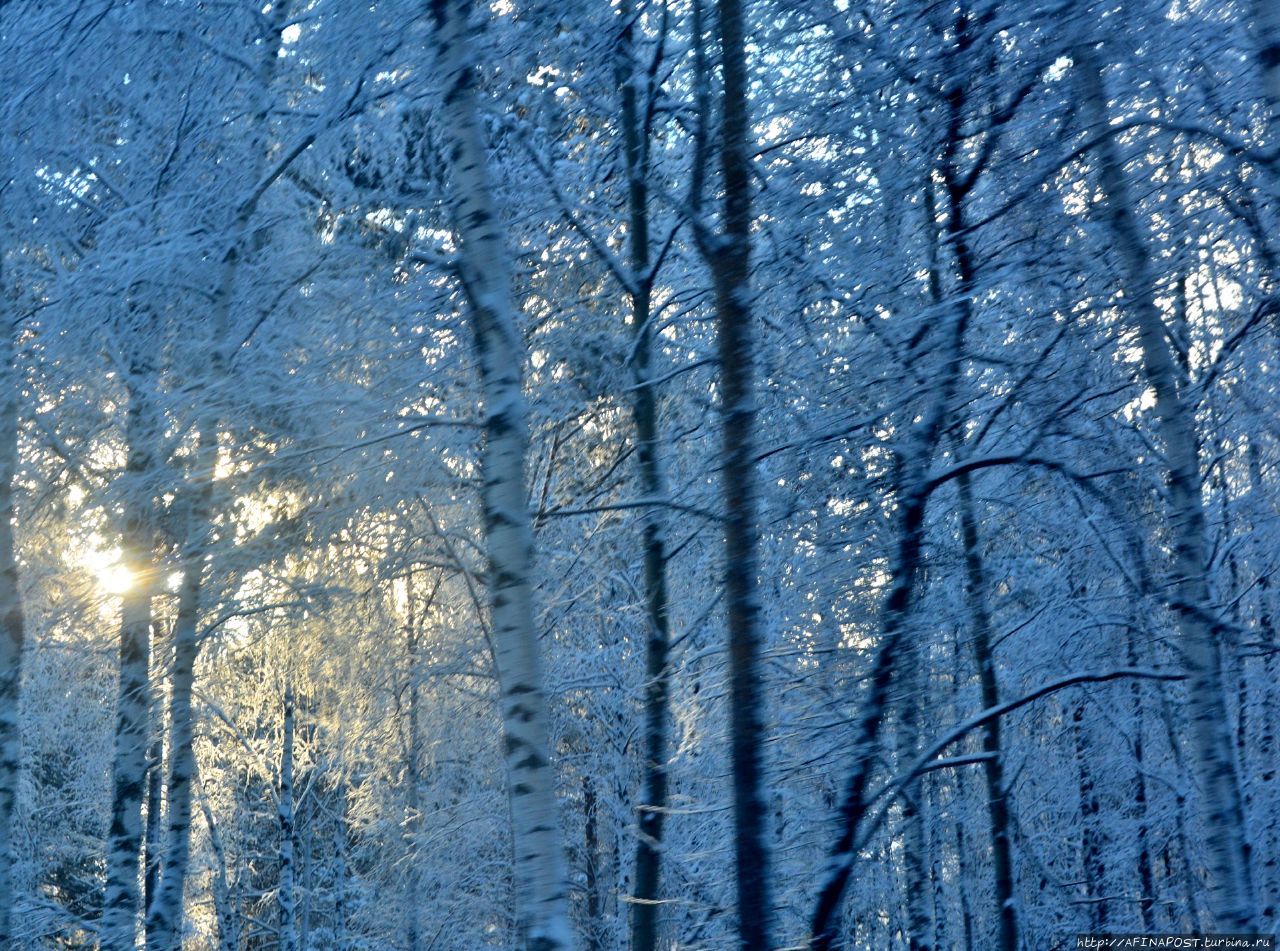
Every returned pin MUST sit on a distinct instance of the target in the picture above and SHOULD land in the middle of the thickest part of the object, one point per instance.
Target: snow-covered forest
(638, 474)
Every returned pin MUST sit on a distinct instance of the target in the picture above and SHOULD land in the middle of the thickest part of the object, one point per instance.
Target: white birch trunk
(165, 915)
(1268, 849)
(1231, 897)
(152, 849)
(541, 885)
(228, 931)
(122, 896)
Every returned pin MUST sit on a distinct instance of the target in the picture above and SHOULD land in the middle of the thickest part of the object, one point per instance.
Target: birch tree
(541, 887)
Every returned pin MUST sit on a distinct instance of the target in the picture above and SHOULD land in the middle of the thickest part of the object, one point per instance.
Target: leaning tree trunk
(909, 678)
(541, 884)
(824, 935)
(12, 630)
(1231, 897)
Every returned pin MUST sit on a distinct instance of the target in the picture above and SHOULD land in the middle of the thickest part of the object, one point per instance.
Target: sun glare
(112, 576)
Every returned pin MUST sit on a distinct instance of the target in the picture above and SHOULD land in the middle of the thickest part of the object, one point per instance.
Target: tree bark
(341, 939)
(153, 849)
(1146, 877)
(540, 877)
(1092, 863)
(165, 914)
(993, 767)
(730, 259)
(122, 898)
(909, 677)
(224, 912)
(591, 862)
(651, 811)
(1269, 870)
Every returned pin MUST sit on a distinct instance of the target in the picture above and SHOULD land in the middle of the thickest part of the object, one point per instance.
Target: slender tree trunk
(962, 861)
(306, 882)
(730, 260)
(962, 876)
(223, 906)
(591, 862)
(1091, 850)
(165, 916)
(937, 857)
(542, 909)
(153, 847)
(919, 924)
(12, 632)
(966, 274)
(1231, 896)
(286, 894)
(993, 767)
(1186, 881)
(340, 937)
(651, 812)
(1266, 729)
(413, 775)
(1146, 877)
(122, 898)
(1232, 649)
